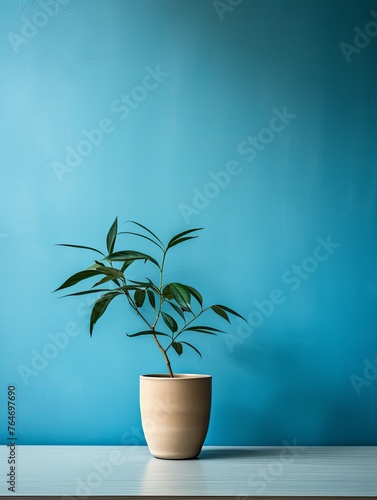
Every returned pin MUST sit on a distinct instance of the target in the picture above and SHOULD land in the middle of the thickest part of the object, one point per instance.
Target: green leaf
(111, 236)
(100, 307)
(218, 310)
(169, 322)
(76, 278)
(113, 273)
(177, 346)
(144, 284)
(179, 236)
(139, 297)
(98, 290)
(166, 293)
(192, 347)
(126, 264)
(231, 311)
(106, 279)
(130, 255)
(181, 295)
(204, 329)
(151, 298)
(147, 332)
(181, 240)
(109, 271)
(176, 308)
(143, 236)
(129, 287)
(146, 229)
(195, 294)
(80, 246)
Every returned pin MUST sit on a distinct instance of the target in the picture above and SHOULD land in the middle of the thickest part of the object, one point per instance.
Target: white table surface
(242, 473)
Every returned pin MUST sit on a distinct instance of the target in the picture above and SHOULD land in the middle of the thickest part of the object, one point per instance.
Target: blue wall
(253, 119)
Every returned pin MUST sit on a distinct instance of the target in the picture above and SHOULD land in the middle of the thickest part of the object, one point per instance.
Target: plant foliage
(169, 310)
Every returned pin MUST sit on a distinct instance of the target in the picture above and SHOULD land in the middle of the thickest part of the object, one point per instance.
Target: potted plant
(175, 408)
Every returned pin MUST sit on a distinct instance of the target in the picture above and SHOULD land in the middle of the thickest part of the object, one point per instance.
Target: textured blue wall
(253, 119)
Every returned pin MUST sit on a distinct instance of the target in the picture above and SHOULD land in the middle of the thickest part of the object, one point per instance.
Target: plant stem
(161, 298)
(189, 322)
(153, 325)
(134, 306)
(164, 354)
(167, 361)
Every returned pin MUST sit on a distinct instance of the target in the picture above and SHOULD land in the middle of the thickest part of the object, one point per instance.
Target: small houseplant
(175, 408)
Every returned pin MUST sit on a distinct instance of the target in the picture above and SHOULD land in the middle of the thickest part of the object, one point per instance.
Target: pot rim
(177, 376)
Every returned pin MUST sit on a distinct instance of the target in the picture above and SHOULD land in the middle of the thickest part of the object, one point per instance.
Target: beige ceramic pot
(175, 413)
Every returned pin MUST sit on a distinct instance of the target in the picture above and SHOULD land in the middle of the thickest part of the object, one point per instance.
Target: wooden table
(242, 473)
